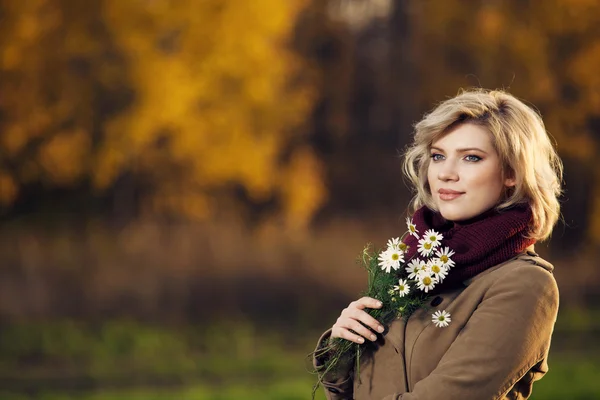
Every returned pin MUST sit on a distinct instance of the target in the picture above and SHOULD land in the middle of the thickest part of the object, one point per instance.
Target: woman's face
(465, 173)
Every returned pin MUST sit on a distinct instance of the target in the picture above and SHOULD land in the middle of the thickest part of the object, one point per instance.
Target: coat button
(436, 302)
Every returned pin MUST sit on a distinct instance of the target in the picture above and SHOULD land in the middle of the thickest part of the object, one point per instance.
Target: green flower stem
(340, 353)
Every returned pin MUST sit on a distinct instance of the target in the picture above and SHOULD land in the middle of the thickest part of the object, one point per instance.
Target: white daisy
(426, 281)
(444, 254)
(384, 261)
(425, 267)
(394, 243)
(402, 288)
(412, 228)
(425, 247)
(434, 237)
(413, 268)
(437, 269)
(390, 259)
(441, 319)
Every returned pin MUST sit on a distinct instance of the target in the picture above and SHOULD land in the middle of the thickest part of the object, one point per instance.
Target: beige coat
(495, 347)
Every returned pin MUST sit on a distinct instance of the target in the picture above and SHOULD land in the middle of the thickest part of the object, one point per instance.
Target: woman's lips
(449, 196)
(446, 194)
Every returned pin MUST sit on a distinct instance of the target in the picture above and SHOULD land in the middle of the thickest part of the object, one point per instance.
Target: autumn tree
(208, 97)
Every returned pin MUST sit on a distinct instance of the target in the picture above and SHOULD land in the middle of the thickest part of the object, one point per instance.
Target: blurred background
(185, 185)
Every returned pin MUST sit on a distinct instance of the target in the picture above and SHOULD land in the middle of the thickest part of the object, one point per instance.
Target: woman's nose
(447, 172)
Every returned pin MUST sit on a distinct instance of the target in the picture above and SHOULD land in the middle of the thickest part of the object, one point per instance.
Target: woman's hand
(350, 326)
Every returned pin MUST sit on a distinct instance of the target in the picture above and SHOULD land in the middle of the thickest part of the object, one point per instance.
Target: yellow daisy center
(441, 318)
(432, 238)
(402, 246)
(444, 258)
(395, 256)
(412, 228)
(401, 288)
(427, 246)
(435, 268)
(427, 281)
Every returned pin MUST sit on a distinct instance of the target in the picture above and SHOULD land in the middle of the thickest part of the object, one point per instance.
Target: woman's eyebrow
(461, 150)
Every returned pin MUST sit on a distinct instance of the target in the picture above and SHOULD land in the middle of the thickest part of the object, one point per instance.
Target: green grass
(569, 378)
(285, 389)
(127, 360)
(573, 377)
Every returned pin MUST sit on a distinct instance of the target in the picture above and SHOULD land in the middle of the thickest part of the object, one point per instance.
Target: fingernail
(360, 340)
(373, 337)
(380, 329)
(379, 304)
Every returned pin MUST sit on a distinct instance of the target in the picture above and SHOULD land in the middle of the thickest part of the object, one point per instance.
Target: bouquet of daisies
(402, 285)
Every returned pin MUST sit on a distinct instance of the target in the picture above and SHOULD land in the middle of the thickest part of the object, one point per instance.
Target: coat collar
(528, 255)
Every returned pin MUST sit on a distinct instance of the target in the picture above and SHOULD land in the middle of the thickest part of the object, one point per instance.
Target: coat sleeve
(507, 335)
(338, 385)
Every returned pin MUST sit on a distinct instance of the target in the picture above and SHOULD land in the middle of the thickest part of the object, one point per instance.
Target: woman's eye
(436, 157)
(472, 158)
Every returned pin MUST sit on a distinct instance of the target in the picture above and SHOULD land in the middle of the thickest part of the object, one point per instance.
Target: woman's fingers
(366, 302)
(348, 335)
(351, 324)
(356, 311)
(366, 319)
(354, 323)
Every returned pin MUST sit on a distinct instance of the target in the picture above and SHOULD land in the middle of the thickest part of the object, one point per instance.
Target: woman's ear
(510, 180)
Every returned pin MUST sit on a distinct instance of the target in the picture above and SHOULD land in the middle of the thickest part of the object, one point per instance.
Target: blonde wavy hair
(519, 137)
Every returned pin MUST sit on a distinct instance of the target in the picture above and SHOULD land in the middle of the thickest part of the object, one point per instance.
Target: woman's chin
(451, 214)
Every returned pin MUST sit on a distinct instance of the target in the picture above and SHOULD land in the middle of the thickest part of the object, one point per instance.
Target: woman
(486, 177)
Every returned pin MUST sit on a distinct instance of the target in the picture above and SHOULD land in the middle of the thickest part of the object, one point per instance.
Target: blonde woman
(487, 177)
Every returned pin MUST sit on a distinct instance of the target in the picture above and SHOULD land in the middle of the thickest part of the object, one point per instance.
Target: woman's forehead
(465, 137)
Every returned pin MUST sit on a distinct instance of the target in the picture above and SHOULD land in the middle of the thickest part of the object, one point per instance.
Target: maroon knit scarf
(479, 243)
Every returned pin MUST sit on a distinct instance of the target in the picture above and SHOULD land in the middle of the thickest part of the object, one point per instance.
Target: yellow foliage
(583, 70)
(65, 156)
(567, 16)
(217, 100)
(491, 20)
(214, 104)
(8, 189)
(303, 189)
(45, 111)
(213, 77)
(11, 57)
(13, 139)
